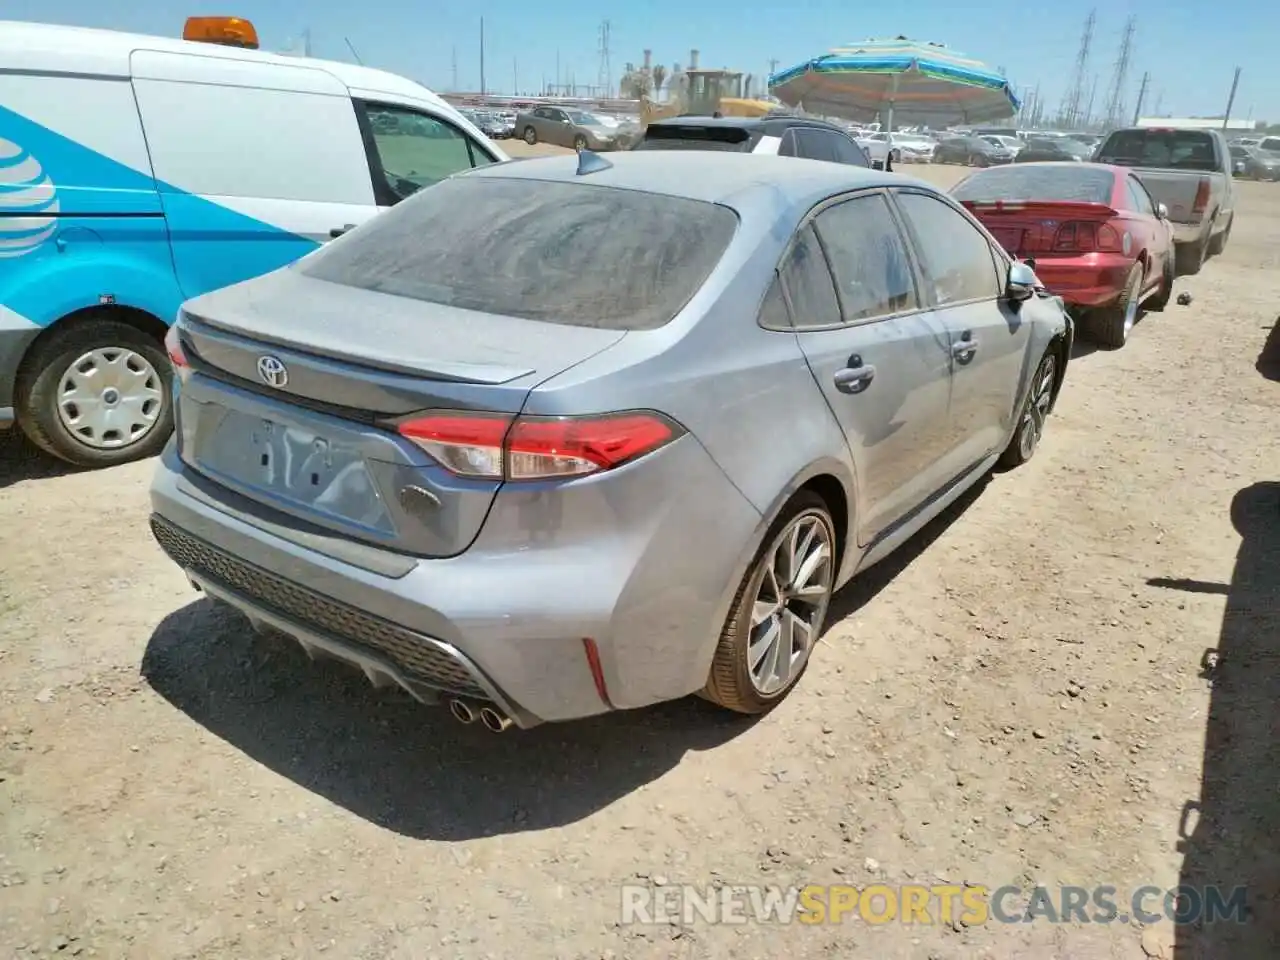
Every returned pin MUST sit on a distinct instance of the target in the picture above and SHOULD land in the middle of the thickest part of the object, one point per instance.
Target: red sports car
(1091, 231)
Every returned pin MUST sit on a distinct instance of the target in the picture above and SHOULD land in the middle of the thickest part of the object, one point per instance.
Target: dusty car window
(1050, 182)
(809, 285)
(954, 255)
(1176, 149)
(570, 253)
(868, 258)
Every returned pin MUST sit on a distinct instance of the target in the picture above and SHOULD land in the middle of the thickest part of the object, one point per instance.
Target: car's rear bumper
(643, 574)
(1088, 280)
(1187, 232)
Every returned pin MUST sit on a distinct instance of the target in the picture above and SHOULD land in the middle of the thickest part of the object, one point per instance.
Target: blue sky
(1189, 51)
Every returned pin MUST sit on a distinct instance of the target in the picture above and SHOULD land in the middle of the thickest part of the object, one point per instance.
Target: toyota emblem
(272, 371)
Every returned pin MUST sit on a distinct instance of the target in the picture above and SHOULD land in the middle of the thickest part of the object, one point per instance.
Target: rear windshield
(1051, 182)
(570, 253)
(1173, 149)
(691, 137)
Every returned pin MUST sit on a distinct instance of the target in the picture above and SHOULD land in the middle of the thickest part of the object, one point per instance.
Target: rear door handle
(336, 232)
(963, 350)
(854, 379)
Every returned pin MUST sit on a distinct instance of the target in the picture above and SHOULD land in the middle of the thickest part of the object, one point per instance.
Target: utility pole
(1115, 98)
(351, 47)
(556, 91)
(454, 88)
(1142, 95)
(306, 42)
(1235, 82)
(1071, 106)
(482, 56)
(605, 78)
(515, 77)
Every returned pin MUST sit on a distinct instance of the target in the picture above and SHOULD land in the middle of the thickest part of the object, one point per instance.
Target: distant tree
(659, 78)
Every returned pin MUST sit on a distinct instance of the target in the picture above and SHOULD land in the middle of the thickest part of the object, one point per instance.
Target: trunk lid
(1028, 227)
(295, 380)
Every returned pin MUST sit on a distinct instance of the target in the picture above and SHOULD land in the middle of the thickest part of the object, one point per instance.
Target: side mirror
(1162, 212)
(1022, 282)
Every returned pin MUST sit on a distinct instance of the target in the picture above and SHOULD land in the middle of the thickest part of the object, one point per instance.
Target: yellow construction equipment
(703, 93)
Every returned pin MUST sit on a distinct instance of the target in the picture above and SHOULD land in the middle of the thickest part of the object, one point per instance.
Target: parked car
(518, 444)
(565, 127)
(1060, 149)
(973, 151)
(1269, 145)
(1096, 237)
(1255, 164)
(1190, 171)
(1013, 144)
(138, 171)
(490, 124)
(786, 136)
(877, 148)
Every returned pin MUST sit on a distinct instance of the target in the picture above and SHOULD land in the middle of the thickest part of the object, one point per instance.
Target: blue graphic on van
(116, 232)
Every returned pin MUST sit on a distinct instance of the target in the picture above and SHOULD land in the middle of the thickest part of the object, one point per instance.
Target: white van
(137, 172)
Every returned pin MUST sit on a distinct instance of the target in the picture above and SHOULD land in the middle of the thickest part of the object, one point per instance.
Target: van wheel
(530, 136)
(778, 613)
(96, 394)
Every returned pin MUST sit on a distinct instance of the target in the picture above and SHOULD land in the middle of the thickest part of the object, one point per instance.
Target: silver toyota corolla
(571, 435)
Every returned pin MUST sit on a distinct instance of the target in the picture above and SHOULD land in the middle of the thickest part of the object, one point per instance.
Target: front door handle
(964, 349)
(854, 379)
(336, 232)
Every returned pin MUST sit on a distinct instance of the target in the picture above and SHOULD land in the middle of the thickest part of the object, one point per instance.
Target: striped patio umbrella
(906, 81)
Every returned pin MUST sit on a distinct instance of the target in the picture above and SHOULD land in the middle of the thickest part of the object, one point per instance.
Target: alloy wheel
(1032, 427)
(790, 603)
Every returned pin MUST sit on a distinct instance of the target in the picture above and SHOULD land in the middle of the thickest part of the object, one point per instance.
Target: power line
(455, 70)
(482, 89)
(1071, 106)
(1115, 99)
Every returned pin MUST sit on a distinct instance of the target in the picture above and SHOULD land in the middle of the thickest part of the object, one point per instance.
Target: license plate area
(295, 468)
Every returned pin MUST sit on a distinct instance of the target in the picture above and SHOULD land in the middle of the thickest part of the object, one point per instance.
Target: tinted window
(955, 256)
(1138, 197)
(562, 252)
(788, 146)
(415, 150)
(808, 282)
(1176, 149)
(868, 258)
(814, 144)
(682, 137)
(848, 152)
(1065, 182)
(773, 312)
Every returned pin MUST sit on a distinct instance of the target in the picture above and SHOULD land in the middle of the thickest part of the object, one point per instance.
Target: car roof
(709, 176)
(106, 53)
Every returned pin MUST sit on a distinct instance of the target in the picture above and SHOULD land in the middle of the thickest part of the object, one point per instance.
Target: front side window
(868, 258)
(572, 253)
(415, 150)
(955, 257)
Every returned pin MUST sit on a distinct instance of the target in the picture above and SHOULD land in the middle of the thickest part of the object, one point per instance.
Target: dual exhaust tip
(494, 720)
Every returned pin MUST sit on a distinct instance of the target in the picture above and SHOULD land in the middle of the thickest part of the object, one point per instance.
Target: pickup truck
(1190, 172)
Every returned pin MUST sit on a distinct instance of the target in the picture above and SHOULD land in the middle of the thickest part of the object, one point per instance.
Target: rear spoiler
(1059, 209)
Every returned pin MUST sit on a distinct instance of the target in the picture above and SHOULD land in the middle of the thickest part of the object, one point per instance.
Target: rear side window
(1066, 182)
(848, 152)
(569, 253)
(1175, 149)
(815, 144)
(809, 285)
(690, 137)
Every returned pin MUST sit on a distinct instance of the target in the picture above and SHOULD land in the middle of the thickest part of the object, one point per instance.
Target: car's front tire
(1035, 411)
(778, 612)
(530, 136)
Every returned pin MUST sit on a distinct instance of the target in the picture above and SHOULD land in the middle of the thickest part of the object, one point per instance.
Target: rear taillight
(1084, 236)
(496, 447)
(1202, 196)
(177, 356)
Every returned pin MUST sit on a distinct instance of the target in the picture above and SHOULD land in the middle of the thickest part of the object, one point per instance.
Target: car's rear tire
(1110, 326)
(530, 136)
(1217, 244)
(1030, 429)
(772, 621)
(97, 393)
(1160, 299)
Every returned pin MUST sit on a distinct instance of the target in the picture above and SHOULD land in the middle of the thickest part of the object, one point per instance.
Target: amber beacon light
(229, 31)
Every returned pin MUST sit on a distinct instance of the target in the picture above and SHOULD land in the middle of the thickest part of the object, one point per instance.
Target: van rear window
(1173, 149)
(574, 253)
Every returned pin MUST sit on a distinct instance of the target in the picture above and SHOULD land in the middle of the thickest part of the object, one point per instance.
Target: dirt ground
(1071, 678)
